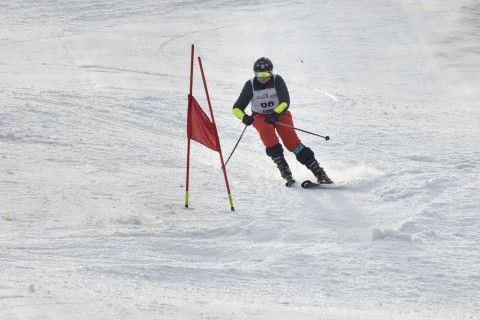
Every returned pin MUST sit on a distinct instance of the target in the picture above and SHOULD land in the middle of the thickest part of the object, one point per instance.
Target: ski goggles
(263, 74)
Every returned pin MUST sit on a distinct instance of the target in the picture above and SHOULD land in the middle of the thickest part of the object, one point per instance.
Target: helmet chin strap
(263, 80)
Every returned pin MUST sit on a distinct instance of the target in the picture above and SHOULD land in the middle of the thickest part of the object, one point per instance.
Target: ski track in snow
(93, 153)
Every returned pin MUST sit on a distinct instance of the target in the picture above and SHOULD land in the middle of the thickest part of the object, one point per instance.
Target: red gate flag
(201, 129)
(199, 126)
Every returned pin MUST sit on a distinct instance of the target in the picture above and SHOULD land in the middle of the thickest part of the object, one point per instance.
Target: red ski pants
(268, 132)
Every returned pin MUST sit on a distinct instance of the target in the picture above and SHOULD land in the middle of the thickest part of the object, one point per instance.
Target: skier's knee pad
(275, 150)
(305, 155)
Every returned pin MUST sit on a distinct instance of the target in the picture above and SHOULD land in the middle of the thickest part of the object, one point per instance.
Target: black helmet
(262, 64)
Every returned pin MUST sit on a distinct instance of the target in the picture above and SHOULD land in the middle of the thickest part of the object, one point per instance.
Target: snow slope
(93, 154)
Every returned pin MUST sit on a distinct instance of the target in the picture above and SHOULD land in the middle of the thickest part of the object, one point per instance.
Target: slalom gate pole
(286, 125)
(218, 139)
(231, 154)
(190, 101)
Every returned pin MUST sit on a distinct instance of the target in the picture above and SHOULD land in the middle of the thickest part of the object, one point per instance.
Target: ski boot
(285, 172)
(319, 173)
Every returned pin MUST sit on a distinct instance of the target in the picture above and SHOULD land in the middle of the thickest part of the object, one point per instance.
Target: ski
(289, 182)
(307, 184)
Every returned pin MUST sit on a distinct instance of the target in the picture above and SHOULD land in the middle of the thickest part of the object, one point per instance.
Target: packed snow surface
(93, 161)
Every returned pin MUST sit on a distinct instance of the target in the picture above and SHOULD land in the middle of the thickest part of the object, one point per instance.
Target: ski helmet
(262, 64)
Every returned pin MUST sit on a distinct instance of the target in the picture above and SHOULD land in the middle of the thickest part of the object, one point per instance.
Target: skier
(268, 96)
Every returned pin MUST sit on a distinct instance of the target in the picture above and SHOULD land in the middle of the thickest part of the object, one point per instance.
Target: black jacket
(276, 82)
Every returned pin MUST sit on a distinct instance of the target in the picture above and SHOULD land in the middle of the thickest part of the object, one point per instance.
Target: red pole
(218, 139)
(188, 127)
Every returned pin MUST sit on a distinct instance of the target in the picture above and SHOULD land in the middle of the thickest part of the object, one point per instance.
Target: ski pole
(236, 145)
(286, 125)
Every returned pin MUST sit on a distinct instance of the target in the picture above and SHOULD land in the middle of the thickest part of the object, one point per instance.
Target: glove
(247, 120)
(272, 118)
